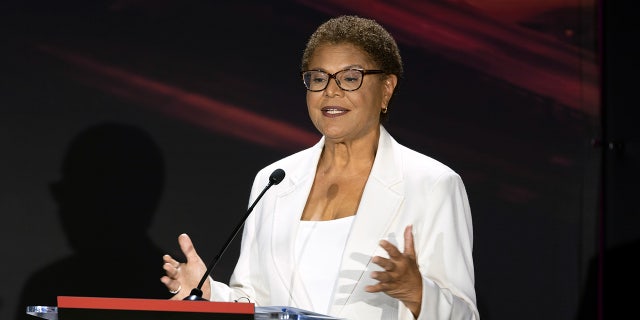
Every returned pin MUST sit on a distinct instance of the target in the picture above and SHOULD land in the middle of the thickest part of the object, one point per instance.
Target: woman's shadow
(112, 181)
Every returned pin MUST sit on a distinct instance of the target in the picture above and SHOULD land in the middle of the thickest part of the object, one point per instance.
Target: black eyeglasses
(347, 79)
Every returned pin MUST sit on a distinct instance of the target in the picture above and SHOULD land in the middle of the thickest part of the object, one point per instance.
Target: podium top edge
(154, 305)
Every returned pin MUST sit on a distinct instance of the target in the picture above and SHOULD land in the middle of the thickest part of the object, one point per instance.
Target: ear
(389, 85)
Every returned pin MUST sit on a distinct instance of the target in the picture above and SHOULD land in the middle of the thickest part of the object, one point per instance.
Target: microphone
(196, 293)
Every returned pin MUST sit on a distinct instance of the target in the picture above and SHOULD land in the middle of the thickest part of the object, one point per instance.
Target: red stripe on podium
(154, 305)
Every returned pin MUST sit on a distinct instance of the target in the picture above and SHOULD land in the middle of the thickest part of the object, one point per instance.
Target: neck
(349, 156)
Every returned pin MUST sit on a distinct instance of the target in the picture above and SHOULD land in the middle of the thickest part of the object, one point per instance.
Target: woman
(328, 237)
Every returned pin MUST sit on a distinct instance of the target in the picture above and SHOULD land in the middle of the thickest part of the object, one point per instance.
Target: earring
(384, 110)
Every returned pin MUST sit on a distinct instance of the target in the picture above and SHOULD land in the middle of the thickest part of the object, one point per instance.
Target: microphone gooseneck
(196, 293)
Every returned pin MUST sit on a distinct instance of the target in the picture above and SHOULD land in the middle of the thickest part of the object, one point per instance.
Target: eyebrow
(353, 66)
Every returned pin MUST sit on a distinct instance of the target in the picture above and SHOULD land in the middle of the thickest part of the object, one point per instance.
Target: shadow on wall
(112, 181)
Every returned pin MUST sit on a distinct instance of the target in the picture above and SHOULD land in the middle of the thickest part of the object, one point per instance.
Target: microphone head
(276, 176)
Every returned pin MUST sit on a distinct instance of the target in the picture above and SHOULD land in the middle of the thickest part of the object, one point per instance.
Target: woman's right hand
(182, 277)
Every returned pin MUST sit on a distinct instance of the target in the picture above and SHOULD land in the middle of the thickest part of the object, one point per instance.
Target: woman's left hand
(401, 278)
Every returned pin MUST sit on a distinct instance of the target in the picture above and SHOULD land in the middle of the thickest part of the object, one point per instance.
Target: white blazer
(404, 187)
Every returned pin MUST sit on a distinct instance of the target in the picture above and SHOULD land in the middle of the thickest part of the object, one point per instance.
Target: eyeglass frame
(364, 72)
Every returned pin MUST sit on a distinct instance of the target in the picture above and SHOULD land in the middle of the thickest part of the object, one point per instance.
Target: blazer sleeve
(443, 239)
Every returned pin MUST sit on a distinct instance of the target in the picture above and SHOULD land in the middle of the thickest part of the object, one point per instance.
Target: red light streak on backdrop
(533, 61)
(194, 108)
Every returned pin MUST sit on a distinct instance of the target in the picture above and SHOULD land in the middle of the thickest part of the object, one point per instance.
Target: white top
(318, 254)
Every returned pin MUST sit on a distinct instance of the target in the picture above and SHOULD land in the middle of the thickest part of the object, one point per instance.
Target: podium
(94, 308)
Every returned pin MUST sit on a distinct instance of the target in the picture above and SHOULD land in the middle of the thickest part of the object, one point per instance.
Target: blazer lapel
(379, 205)
(290, 203)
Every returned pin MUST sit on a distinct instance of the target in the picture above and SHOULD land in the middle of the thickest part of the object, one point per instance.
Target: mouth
(334, 111)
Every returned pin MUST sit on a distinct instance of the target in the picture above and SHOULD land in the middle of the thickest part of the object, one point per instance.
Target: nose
(333, 89)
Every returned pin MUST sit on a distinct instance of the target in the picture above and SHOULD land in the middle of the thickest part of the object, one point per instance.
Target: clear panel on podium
(50, 313)
(283, 312)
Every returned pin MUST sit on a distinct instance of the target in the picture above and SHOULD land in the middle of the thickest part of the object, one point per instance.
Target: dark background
(509, 96)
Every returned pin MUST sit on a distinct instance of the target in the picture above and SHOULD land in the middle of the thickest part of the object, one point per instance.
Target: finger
(171, 271)
(167, 281)
(168, 269)
(373, 288)
(171, 284)
(385, 282)
(391, 249)
(186, 245)
(386, 264)
(174, 287)
(382, 277)
(168, 259)
(409, 248)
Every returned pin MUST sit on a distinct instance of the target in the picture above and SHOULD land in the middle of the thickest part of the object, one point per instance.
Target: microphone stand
(196, 293)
